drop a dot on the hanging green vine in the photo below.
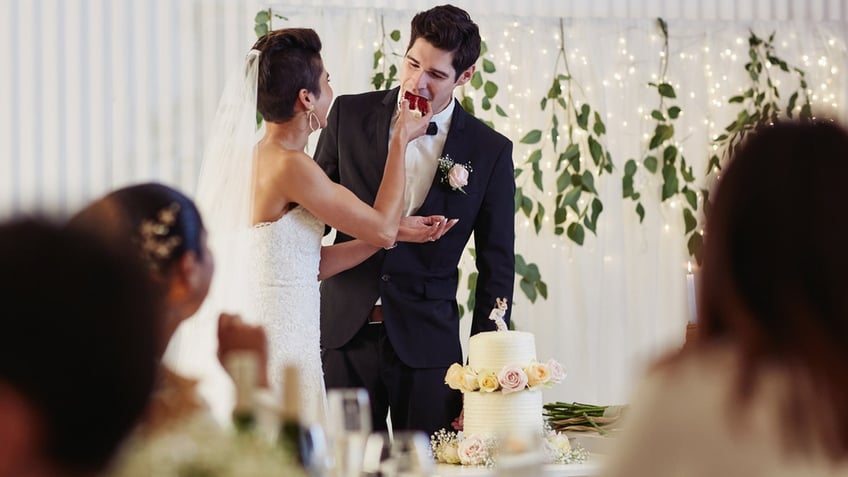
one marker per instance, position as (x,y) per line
(575,181)
(760,107)
(385,72)
(675,170)
(480,81)
(263,22)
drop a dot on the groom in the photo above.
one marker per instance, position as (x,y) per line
(391,324)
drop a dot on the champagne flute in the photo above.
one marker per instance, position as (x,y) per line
(348,425)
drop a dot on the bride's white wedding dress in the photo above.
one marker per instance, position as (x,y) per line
(284,259)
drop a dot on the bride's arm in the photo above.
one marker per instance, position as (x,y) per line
(342,256)
(335,205)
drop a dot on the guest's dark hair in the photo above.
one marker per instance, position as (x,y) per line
(450,29)
(160,221)
(80,326)
(775,262)
(290,60)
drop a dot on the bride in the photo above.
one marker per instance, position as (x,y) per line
(266,216)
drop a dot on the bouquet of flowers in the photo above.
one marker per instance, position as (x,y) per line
(451,447)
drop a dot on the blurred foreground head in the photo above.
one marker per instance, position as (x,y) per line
(80,329)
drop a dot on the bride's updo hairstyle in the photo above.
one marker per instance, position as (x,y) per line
(290,60)
(161,223)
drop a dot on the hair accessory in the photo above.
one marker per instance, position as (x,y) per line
(156,246)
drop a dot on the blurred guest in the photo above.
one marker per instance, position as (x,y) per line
(764,390)
(163,228)
(77,348)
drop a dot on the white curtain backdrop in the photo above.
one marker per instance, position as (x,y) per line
(96,94)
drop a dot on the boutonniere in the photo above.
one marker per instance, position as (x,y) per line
(454,173)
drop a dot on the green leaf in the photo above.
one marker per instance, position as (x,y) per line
(377,55)
(597,208)
(669,155)
(532,137)
(395,35)
(650,164)
(486,104)
(543,103)
(571,198)
(261,30)
(262,16)
(520,264)
(666,90)
(491,89)
(472,286)
(468,104)
(517,172)
(572,151)
(554,130)
(630,167)
(689,219)
(576,233)
(673,112)
(526,206)
(519,194)
(736,99)
(488,66)
(657,115)
(555,91)
(500,111)
(558,230)
(537,176)
(532,274)
(583,117)
(600,129)
(560,215)
(528,290)
(663,26)
(563,181)
(670,184)
(596,150)
(691,198)
(378,80)
(627,186)
(483,48)
(543,288)
(695,245)
(477,80)
(640,211)
(535,156)
(539,217)
(588,181)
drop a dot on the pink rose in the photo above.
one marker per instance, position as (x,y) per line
(512,379)
(557,371)
(458,176)
(472,450)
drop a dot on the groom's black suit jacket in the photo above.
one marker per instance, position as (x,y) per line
(418,282)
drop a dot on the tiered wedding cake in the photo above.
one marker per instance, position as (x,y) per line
(498,412)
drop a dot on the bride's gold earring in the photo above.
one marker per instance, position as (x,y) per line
(310,115)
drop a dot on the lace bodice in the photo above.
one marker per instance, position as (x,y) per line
(284,259)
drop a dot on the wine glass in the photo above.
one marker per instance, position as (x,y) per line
(348,427)
(410,454)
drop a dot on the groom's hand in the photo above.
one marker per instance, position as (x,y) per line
(418,229)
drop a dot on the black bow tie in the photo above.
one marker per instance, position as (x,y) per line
(432,129)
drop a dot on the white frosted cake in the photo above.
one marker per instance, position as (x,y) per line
(498,412)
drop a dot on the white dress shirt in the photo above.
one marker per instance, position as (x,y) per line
(422,160)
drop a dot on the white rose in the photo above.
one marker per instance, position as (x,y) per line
(453,377)
(488,381)
(468,381)
(458,176)
(449,453)
(557,371)
(472,450)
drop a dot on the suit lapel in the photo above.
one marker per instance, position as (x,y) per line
(381,121)
(454,147)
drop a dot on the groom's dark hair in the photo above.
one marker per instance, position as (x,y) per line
(450,29)
(290,61)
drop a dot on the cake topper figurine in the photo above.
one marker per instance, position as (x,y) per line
(498,313)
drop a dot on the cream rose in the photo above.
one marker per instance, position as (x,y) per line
(458,176)
(453,377)
(488,381)
(512,379)
(557,371)
(537,374)
(472,450)
(468,380)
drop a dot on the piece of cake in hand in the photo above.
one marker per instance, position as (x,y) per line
(418,104)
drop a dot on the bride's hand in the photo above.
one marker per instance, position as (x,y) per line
(411,124)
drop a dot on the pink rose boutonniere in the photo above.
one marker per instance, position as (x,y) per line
(454,173)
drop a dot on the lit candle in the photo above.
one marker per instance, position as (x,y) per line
(690,288)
